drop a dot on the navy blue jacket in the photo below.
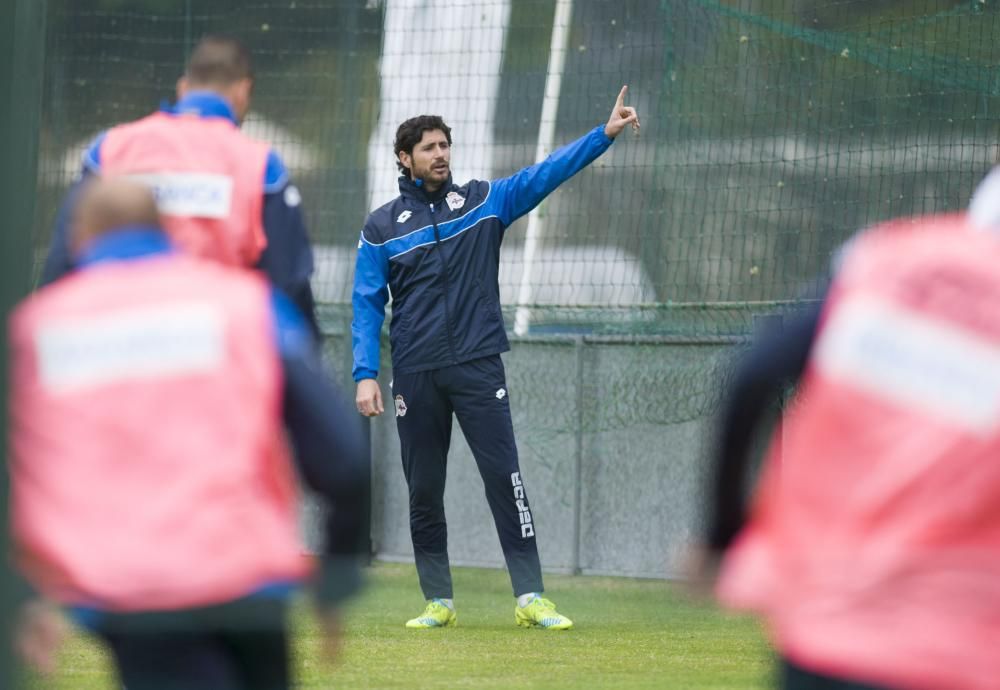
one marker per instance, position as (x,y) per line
(439,256)
(287,259)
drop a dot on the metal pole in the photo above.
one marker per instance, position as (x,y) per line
(188,32)
(546,139)
(22,50)
(578,347)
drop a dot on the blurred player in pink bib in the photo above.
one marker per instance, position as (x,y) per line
(153,492)
(221,194)
(873,548)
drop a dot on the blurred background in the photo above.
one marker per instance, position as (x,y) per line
(772,130)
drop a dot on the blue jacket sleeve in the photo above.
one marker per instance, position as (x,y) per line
(525,189)
(371,292)
(59,260)
(765,371)
(288,258)
(330,451)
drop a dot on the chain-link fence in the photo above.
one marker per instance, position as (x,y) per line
(771,131)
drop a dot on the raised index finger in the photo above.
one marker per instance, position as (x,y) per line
(621,97)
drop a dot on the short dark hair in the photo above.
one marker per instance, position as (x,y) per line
(412,131)
(218,60)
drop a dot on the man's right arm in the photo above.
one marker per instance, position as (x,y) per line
(371,292)
(59,260)
(764,373)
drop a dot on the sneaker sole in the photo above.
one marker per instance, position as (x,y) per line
(450,624)
(531,624)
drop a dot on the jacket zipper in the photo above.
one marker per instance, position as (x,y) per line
(447,286)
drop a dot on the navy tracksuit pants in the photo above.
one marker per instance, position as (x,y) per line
(236,645)
(475,392)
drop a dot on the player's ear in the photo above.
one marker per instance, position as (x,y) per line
(239,96)
(406,160)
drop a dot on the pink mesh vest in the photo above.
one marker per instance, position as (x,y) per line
(149,469)
(208,179)
(874,549)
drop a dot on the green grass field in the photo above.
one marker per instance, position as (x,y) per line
(629,634)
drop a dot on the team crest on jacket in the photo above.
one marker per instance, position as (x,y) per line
(455,201)
(400,406)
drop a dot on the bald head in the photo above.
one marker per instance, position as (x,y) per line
(107,205)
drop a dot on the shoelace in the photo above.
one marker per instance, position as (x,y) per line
(547,604)
(548,608)
(434,606)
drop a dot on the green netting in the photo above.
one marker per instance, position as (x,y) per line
(772,129)
(796,123)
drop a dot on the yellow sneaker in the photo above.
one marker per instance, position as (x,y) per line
(541,613)
(436,615)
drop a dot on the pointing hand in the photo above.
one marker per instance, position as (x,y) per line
(621,115)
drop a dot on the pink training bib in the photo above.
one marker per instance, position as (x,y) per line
(874,549)
(208,179)
(149,469)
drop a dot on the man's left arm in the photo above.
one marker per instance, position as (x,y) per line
(518,194)
(287,260)
(330,447)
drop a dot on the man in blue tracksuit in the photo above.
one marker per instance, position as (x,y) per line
(436,248)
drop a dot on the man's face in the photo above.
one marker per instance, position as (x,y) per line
(430,160)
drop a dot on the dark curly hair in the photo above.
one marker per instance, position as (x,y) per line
(412,131)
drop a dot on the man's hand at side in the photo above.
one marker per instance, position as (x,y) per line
(621,115)
(369,398)
(40,631)
(700,570)
(331,634)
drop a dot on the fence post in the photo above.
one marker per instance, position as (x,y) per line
(764,325)
(22,50)
(578,347)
